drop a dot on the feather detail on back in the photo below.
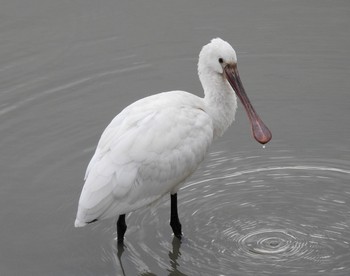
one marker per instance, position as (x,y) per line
(146,151)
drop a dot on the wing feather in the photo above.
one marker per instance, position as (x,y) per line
(145,152)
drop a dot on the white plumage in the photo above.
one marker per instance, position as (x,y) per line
(154,144)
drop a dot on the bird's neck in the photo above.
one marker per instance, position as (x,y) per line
(220,101)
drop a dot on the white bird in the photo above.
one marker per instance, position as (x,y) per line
(152,146)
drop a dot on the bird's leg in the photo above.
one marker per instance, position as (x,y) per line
(174,218)
(121,228)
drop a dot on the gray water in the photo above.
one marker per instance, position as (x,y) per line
(68,67)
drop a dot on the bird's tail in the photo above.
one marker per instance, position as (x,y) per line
(79,223)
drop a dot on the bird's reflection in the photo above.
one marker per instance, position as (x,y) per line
(174,254)
(120,251)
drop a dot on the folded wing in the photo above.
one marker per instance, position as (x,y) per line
(150,148)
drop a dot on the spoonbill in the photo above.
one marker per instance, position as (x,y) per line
(151,147)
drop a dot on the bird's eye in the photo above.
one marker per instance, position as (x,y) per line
(221,60)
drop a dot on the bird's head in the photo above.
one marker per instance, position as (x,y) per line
(219,58)
(216,55)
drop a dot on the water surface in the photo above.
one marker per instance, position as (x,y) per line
(68,67)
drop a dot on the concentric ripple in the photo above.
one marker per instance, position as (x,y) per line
(271,242)
(252,215)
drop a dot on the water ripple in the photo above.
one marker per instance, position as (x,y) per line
(246,214)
